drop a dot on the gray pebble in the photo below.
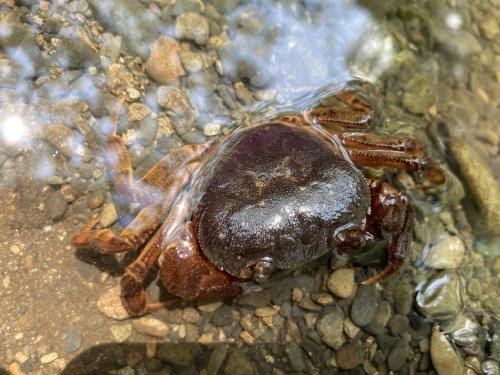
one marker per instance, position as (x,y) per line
(223,316)
(295,357)
(330,326)
(365,305)
(182,355)
(56,206)
(398,324)
(72,341)
(216,359)
(397,356)
(441,296)
(238,363)
(403,297)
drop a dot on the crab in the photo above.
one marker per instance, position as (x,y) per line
(268,197)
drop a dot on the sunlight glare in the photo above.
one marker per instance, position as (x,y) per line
(13,130)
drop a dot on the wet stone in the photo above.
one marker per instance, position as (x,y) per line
(398,324)
(238,363)
(295,357)
(108,215)
(151,326)
(191,61)
(75,49)
(365,305)
(110,304)
(398,354)
(341,282)
(418,94)
(441,296)
(95,199)
(56,206)
(193,27)
(464,330)
(172,99)
(490,367)
(403,297)
(121,332)
(164,63)
(216,359)
(349,355)
(182,355)
(446,253)
(72,341)
(444,358)
(329,325)
(223,316)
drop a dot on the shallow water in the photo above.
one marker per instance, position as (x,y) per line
(429,70)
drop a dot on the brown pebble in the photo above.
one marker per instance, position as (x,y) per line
(164,63)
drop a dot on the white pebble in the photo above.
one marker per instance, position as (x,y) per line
(446,253)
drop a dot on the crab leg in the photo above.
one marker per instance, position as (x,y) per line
(357,113)
(138,231)
(391,216)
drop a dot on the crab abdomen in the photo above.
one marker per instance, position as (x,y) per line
(275,192)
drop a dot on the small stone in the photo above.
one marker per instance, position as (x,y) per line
(223,316)
(481,181)
(164,63)
(247,337)
(323,299)
(238,363)
(403,297)
(365,305)
(489,28)
(341,282)
(138,111)
(134,358)
(446,253)
(172,99)
(265,311)
(48,358)
(193,27)
(151,326)
(108,215)
(349,355)
(209,307)
(67,193)
(216,359)
(75,49)
(121,332)
(16,248)
(418,94)
(110,304)
(398,324)
(56,206)
(211,129)
(15,369)
(397,356)
(441,296)
(95,199)
(191,61)
(297,294)
(330,326)
(490,367)
(495,267)
(350,328)
(191,315)
(72,341)
(444,358)
(56,180)
(181,354)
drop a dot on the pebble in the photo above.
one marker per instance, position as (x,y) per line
(121,332)
(295,357)
(191,315)
(403,297)
(138,111)
(397,356)
(134,358)
(490,367)
(447,253)
(75,49)
(164,63)
(441,296)
(247,337)
(151,326)
(398,324)
(211,129)
(481,181)
(489,28)
(95,199)
(108,215)
(238,363)
(266,311)
(61,138)
(444,358)
(223,316)
(181,354)
(110,304)
(56,206)
(193,27)
(418,94)
(464,330)
(48,358)
(341,282)
(67,193)
(191,61)
(172,99)
(216,359)
(330,326)
(350,328)
(72,341)
(349,355)
(365,305)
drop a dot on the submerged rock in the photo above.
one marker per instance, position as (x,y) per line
(446,253)
(444,358)
(441,296)
(164,63)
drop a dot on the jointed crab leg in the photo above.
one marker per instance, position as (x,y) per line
(357,114)
(391,215)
